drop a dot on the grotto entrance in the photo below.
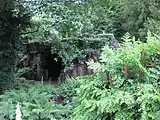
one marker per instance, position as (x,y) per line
(52,67)
(38,63)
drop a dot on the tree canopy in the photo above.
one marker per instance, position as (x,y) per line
(13,18)
(125,84)
(72,26)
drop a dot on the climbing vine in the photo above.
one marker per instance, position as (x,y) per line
(13,19)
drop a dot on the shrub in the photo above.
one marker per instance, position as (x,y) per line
(126,85)
(14,18)
(35,101)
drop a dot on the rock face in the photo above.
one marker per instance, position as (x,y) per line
(42,63)
(34,60)
(82,69)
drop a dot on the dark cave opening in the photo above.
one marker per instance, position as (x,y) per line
(53,67)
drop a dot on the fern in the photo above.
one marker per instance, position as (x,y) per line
(126,86)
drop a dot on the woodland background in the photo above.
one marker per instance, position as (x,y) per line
(126,83)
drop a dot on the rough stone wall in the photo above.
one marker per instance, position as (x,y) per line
(32,60)
(35,59)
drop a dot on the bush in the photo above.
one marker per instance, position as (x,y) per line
(14,18)
(126,85)
(36,104)
(34,101)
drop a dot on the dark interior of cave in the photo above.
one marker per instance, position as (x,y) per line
(53,67)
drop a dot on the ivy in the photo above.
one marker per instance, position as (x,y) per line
(14,18)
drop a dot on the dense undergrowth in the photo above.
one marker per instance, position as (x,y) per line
(126,87)
(36,103)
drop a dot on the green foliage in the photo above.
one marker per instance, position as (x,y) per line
(35,101)
(71,30)
(13,19)
(68,89)
(65,26)
(126,85)
(24,72)
(135,14)
(153,22)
